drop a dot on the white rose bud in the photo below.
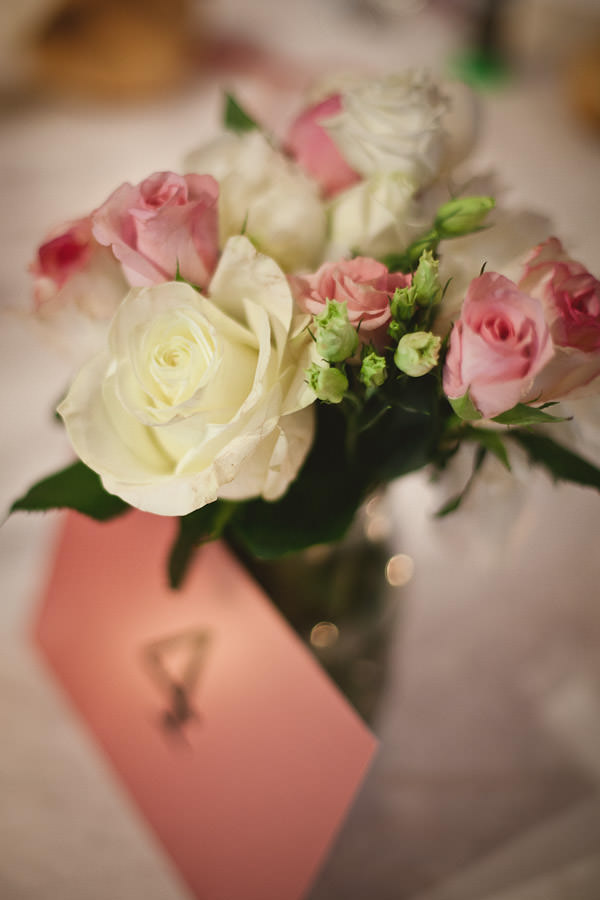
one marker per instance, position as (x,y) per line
(265,196)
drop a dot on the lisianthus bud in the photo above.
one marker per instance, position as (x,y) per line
(403,303)
(462,215)
(328,383)
(337,339)
(425,280)
(372,371)
(417,353)
(396,330)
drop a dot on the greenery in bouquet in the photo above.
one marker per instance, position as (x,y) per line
(277,333)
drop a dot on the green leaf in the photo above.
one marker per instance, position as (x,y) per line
(527,415)
(197,528)
(403,438)
(344,465)
(489,439)
(235,118)
(560,462)
(453,504)
(76,487)
(319,504)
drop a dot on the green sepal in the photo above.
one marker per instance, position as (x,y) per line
(197,528)
(235,118)
(561,463)
(465,408)
(527,415)
(76,487)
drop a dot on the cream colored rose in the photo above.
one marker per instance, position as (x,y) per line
(198,398)
(375,217)
(393,124)
(265,196)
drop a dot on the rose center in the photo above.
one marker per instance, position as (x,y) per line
(183,354)
(156,192)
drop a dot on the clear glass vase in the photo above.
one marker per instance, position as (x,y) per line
(340,599)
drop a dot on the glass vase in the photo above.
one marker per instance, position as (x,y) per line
(341,600)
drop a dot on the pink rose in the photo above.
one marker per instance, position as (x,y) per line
(365,285)
(570,296)
(569,293)
(64,254)
(497,347)
(73,269)
(315,152)
(165,222)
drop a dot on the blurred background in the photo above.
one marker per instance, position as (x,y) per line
(487,783)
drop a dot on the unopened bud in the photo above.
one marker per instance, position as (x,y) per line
(403,302)
(372,371)
(396,330)
(462,215)
(417,353)
(425,280)
(337,339)
(328,383)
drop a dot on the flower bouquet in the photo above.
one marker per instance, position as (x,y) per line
(279,331)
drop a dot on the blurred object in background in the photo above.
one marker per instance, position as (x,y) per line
(389,8)
(18,24)
(549,33)
(114,48)
(583,82)
(560,36)
(104,49)
(482,63)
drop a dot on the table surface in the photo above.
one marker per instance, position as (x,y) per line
(487,784)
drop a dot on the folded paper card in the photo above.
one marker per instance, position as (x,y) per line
(236,747)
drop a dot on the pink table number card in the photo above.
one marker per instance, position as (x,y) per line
(238,750)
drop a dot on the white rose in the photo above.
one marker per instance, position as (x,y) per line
(393,124)
(198,398)
(375,217)
(265,196)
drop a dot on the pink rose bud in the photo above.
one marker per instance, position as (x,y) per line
(569,293)
(72,269)
(497,347)
(364,284)
(165,224)
(570,296)
(315,151)
(60,257)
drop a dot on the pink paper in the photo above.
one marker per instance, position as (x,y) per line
(236,747)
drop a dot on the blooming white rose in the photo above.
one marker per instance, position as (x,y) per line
(266,196)
(197,398)
(392,124)
(374,217)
